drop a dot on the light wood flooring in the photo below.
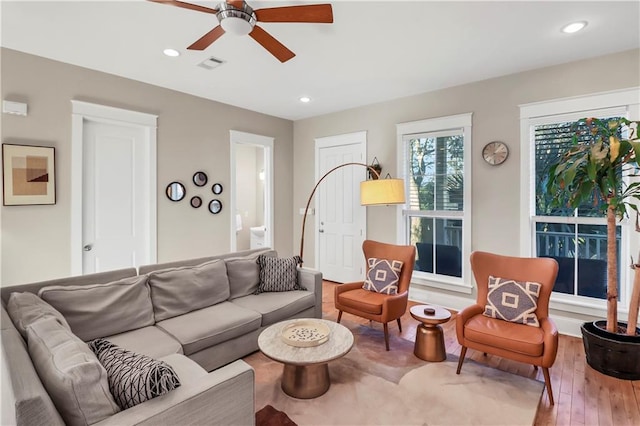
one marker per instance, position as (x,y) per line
(582,395)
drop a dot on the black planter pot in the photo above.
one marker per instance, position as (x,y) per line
(616,355)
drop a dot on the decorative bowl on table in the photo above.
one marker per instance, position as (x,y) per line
(305,333)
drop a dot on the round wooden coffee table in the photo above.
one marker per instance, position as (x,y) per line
(306,372)
(429,344)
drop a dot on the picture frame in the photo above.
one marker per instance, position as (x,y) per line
(29,176)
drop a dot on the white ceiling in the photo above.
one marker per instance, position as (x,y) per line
(374,50)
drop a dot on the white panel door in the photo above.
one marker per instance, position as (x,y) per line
(341,218)
(116,204)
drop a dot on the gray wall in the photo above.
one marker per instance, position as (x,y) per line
(193,134)
(494,104)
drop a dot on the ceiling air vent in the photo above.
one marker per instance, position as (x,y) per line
(211,63)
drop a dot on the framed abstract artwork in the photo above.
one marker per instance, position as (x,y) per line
(29,175)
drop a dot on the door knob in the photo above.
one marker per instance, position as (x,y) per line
(88,247)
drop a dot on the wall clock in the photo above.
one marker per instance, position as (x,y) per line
(495,153)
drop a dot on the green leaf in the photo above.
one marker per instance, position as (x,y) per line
(592,170)
(636,150)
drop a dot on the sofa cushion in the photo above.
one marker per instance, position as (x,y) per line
(188,370)
(150,341)
(100,310)
(209,326)
(278,273)
(178,291)
(134,378)
(276,307)
(27,308)
(74,378)
(244,274)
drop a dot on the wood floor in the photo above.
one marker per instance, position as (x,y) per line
(582,395)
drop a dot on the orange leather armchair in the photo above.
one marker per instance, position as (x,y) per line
(532,345)
(354,299)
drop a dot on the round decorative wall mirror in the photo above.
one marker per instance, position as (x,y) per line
(196,202)
(215,206)
(217,188)
(175,191)
(200,178)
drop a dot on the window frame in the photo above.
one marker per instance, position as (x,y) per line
(460,122)
(624,103)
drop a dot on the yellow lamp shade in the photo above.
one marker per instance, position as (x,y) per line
(382,191)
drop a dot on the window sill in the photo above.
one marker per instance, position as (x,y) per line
(458,286)
(583,306)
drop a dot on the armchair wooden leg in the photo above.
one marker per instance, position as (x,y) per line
(547,383)
(463,352)
(399,325)
(339,316)
(386,335)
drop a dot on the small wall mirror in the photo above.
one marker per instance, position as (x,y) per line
(196,202)
(200,178)
(175,191)
(217,188)
(215,206)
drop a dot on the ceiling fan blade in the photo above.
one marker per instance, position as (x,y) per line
(206,40)
(322,13)
(186,5)
(274,47)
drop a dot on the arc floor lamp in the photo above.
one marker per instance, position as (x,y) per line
(373,192)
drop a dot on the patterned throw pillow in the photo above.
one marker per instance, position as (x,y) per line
(133,378)
(278,274)
(383,275)
(513,301)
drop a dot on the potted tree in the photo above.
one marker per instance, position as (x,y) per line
(601,167)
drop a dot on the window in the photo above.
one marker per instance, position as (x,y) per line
(436,218)
(576,238)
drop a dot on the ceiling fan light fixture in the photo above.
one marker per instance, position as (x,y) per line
(236,26)
(236,21)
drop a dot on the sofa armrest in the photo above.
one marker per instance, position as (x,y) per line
(224,396)
(311,279)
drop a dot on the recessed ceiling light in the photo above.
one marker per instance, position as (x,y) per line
(574,27)
(171,52)
(305,99)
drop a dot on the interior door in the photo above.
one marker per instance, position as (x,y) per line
(116,199)
(341,221)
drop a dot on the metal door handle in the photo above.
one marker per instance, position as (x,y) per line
(88,247)
(321,230)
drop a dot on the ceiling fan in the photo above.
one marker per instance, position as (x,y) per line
(237,17)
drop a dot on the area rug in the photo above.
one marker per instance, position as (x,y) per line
(269,416)
(370,386)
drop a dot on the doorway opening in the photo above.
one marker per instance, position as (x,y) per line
(251,191)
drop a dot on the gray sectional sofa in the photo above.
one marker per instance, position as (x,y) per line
(199,315)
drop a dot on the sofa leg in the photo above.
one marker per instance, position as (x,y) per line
(463,352)
(399,325)
(547,383)
(386,335)
(339,316)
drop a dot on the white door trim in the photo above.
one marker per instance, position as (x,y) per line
(85,111)
(242,138)
(355,138)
